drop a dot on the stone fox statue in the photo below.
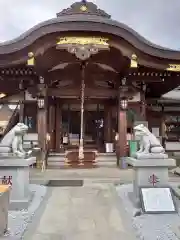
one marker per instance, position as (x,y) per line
(12,141)
(148,142)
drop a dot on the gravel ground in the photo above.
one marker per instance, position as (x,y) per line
(18,220)
(149,226)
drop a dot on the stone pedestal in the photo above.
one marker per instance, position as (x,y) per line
(149,173)
(15,172)
(4,207)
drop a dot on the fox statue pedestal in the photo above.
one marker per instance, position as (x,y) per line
(150,163)
(14,166)
(149,173)
(15,172)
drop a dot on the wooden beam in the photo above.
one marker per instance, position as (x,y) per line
(63,92)
(90,101)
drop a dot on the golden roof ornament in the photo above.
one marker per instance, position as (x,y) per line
(83,7)
(134,63)
(173,68)
(31,59)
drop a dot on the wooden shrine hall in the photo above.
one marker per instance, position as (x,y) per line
(82,79)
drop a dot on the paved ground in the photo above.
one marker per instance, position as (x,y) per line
(96,173)
(90,212)
(107,174)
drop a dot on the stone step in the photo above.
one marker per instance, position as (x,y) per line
(103,159)
(56,154)
(107,154)
(55,164)
(56,159)
(106,157)
(112,160)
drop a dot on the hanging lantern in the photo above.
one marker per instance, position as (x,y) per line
(41,102)
(124,103)
(134,63)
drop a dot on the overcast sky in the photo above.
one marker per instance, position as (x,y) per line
(156,20)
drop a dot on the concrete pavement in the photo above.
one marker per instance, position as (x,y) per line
(90,212)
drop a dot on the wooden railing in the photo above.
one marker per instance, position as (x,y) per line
(13,120)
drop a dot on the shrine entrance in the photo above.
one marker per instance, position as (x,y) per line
(82,72)
(93,126)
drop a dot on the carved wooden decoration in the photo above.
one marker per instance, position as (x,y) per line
(83,47)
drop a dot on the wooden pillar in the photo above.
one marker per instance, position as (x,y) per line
(58,125)
(163,128)
(52,125)
(42,119)
(121,149)
(98,134)
(108,124)
(42,130)
(42,127)
(122,132)
(143,106)
(21,112)
(21,109)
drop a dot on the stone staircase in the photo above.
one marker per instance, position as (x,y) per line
(106,159)
(56,160)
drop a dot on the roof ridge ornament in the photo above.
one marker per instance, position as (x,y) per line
(83,7)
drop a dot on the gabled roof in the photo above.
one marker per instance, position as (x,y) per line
(86,17)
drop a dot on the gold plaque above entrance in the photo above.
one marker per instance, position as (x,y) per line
(83,47)
(84,41)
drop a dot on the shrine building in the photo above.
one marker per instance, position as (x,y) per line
(81,80)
